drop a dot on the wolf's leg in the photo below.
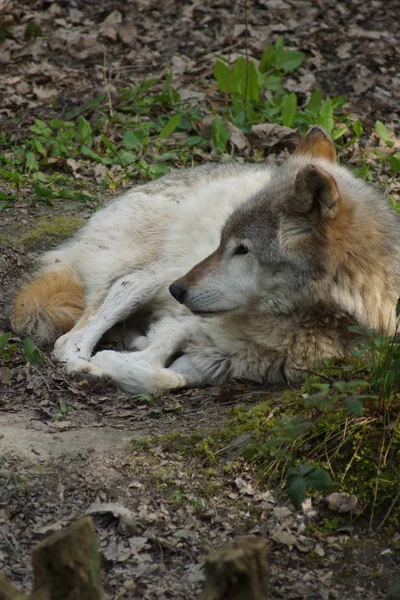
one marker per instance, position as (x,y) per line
(137,376)
(145,371)
(125,296)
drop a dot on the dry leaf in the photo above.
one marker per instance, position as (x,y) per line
(267,135)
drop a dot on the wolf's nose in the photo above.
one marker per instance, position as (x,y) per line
(178,291)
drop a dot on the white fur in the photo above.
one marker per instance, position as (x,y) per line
(128,254)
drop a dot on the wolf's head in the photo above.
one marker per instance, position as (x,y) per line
(314,234)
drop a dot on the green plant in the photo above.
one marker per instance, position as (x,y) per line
(7,349)
(63,411)
(245,85)
(32,354)
(394,590)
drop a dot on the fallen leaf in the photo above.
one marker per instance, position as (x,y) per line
(342,502)
(44,93)
(267,135)
(122,513)
(6,375)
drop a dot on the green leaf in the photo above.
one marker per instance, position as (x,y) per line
(244,80)
(32,354)
(266,59)
(297,491)
(324,387)
(4,337)
(354,407)
(70,194)
(109,145)
(130,140)
(394,589)
(219,134)
(40,148)
(90,105)
(194,139)
(319,480)
(84,131)
(291,59)
(64,407)
(42,191)
(326,118)
(32,30)
(395,164)
(253,86)
(278,54)
(306,469)
(358,128)
(222,75)
(31,162)
(383,133)
(171,125)
(60,124)
(289,110)
(127,157)
(314,103)
(339,132)
(89,153)
(147,398)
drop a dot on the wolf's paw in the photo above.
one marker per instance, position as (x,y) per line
(70,349)
(87,373)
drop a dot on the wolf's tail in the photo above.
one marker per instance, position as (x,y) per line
(49,305)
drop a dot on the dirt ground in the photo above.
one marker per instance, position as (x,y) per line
(66,450)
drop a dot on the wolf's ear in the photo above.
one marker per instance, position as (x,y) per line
(314,201)
(315,193)
(317,143)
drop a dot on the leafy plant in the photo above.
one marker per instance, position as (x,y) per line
(394,590)
(63,411)
(306,477)
(6,349)
(245,85)
(32,354)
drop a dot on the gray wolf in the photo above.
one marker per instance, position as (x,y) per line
(279,262)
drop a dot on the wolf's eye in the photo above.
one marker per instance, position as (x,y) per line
(241,249)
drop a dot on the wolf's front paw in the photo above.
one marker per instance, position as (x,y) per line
(69,347)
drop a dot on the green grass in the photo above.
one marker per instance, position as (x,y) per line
(148,129)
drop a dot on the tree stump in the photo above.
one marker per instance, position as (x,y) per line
(238,571)
(66,565)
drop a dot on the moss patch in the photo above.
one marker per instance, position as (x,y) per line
(359,452)
(43,231)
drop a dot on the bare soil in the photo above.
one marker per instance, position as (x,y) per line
(111,449)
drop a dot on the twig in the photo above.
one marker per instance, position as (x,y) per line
(391,507)
(377,481)
(107,87)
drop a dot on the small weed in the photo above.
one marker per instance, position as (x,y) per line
(7,349)
(146,398)
(394,591)
(63,411)
(177,497)
(32,354)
